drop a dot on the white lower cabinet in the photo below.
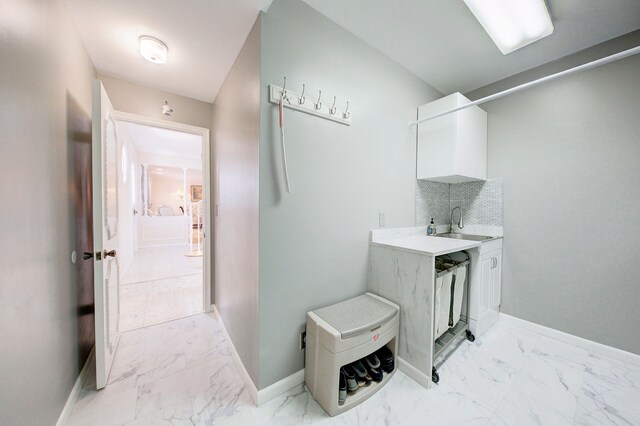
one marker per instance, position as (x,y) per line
(486,287)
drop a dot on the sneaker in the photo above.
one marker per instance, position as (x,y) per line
(350,375)
(361,373)
(342,392)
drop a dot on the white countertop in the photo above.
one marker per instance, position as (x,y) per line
(417,240)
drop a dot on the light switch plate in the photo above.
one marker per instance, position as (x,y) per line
(381,220)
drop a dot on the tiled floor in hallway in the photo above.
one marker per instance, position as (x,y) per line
(182,373)
(162,284)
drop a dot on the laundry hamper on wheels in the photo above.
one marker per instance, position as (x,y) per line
(340,334)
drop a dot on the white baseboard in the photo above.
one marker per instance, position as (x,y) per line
(253,391)
(589,345)
(75,390)
(280,387)
(418,376)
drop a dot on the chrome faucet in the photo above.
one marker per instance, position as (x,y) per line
(460,223)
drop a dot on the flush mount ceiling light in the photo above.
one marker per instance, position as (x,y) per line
(153,50)
(512,24)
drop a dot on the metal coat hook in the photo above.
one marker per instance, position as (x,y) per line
(284,91)
(317,105)
(301,99)
(332,110)
(346,114)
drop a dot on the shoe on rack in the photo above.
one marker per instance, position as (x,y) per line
(372,361)
(361,373)
(350,376)
(386,359)
(342,390)
(375,373)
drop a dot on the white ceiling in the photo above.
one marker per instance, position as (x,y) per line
(164,141)
(441,42)
(203,36)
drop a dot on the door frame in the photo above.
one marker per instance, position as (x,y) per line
(204,133)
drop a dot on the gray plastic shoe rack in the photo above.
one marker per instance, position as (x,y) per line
(341,334)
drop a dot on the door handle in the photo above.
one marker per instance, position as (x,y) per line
(88,255)
(135,212)
(111,253)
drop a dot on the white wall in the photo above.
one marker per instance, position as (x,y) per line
(236,138)
(45,72)
(569,153)
(164,190)
(314,241)
(146,101)
(153,159)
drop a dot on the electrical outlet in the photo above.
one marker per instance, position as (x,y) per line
(381,220)
(302,341)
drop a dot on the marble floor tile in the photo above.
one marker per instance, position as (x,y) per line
(162,284)
(518,408)
(176,414)
(182,372)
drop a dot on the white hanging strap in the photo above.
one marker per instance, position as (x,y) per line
(284,149)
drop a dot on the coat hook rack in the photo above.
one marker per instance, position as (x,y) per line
(317,108)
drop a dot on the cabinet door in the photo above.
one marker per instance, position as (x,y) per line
(496,280)
(486,264)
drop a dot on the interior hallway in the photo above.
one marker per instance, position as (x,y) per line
(162,284)
(182,373)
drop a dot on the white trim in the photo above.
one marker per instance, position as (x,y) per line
(253,391)
(595,347)
(75,390)
(418,376)
(278,388)
(206,177)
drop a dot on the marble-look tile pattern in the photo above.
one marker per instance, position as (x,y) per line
(509,376)
(161,284)
(481,202)
(156,263)
(407,279)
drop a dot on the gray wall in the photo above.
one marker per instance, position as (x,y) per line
(147,101)
(314,241)
(569,154)
(44,69)
(236,138)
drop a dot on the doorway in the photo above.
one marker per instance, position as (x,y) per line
(163,199)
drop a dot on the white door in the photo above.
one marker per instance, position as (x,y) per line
(105,231)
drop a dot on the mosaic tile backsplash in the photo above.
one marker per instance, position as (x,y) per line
(481,202)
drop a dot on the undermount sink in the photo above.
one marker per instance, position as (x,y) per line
(464,237)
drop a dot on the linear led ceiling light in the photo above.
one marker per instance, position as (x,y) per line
(512,24)
(153,50)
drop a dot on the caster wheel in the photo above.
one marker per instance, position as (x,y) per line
(435,378)
(470,336)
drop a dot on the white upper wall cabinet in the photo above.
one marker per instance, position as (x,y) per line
(452,148)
